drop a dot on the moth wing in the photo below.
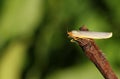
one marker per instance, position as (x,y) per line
(93,35)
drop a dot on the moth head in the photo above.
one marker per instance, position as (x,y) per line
(71,35)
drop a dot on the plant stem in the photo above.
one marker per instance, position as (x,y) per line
(93,52)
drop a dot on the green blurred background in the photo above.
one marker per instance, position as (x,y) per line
(34,42)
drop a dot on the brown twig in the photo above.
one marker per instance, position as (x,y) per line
(93,52)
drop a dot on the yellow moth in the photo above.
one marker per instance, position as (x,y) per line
(88,34)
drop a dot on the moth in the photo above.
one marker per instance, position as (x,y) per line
(89,34)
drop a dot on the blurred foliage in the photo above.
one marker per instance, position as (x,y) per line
(34,42)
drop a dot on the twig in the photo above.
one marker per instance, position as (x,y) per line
(93,52)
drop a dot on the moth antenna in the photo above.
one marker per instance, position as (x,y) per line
(67,31)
